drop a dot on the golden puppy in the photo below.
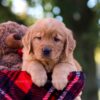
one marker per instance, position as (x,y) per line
(48,47)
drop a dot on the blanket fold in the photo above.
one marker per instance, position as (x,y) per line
(17,85)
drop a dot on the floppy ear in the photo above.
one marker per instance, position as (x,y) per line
(69,46)
(70,43)
(27,42)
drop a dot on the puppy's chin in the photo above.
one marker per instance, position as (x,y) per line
(44,59)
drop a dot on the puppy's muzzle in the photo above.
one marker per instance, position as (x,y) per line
(46,51)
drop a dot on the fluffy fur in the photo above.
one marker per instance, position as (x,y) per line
(54,35)
(10,40)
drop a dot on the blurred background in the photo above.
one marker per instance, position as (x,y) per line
(82,16)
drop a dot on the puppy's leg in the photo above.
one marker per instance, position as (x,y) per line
(60,74)
(37,72)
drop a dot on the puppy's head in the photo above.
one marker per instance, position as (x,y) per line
(49,39)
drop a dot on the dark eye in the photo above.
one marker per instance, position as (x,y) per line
(39,38)
(56,39)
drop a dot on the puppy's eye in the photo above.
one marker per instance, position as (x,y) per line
(56,39)
(39,38)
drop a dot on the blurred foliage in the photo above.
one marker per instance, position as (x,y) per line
(97,10)
(31,3)
(5,14)
(78,17)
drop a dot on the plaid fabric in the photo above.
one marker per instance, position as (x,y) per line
(17,85)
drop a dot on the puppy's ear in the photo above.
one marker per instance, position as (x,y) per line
(69,46)
(70,43)
(27,42)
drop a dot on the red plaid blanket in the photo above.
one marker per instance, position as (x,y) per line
(17,85)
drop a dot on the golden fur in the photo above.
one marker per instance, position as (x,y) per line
(52,34)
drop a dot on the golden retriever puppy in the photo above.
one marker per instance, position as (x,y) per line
(48,47)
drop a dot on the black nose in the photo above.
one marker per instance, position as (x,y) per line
(46,51)
(17,37)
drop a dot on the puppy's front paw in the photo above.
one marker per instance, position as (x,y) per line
(59,81)
(39,78)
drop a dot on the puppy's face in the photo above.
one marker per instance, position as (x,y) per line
(48,40)
(47,45)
